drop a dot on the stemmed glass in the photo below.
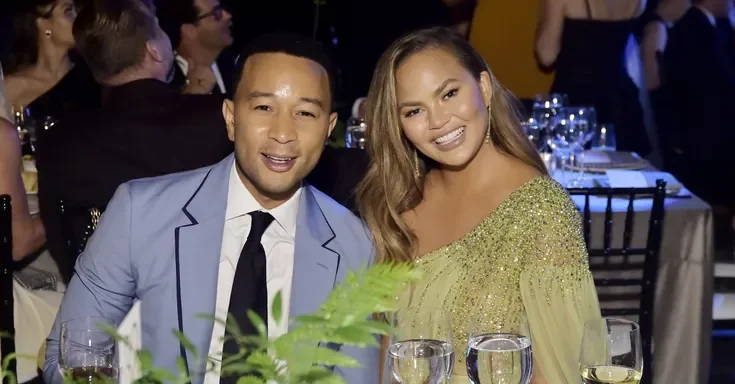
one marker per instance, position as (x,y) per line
(611,352)
(88,350)
(584,120)
(533,131)
(421,347)
(604,138)
(499,354)
(545,107)
(563,140)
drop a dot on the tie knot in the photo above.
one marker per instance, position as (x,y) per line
(261,221)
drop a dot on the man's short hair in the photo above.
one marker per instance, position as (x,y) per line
(290,44)
(172,14)
(112,35)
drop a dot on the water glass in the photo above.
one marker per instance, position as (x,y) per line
(499,354)
(604,138)
(563,142)
(88,350)
(355,133)
(535,135)
(545,107)
(611,352)
(421,347)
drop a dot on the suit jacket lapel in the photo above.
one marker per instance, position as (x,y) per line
(315,262)
(198,249)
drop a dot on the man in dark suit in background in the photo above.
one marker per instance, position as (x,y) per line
(144,128)
(700,73)
(199,31)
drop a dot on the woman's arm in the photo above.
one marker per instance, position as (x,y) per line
(28,232)
(653,42)
(548,31)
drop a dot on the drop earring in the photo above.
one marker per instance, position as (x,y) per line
(47,33)
(416,169)
(489,124)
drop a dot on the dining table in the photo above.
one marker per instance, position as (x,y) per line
(685,285)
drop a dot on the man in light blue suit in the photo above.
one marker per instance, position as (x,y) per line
(186,244)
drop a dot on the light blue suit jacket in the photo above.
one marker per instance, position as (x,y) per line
(159,241)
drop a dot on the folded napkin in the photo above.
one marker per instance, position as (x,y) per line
(639,179)
(130,329)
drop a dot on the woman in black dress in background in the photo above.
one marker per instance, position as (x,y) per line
(39,73)
(585,42)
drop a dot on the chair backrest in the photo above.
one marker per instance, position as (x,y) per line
(626,259)
(7,323)
(77,234)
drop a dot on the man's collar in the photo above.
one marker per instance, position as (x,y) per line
(240,202)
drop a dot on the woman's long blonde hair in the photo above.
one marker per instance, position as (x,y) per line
(391,185)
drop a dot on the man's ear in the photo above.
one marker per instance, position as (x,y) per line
(154,51)
(228,112)
(332,123)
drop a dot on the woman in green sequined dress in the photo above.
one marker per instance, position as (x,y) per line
(455,188)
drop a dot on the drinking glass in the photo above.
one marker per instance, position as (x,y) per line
(421,347)
(611,352)
(499,354)
(563,140)
(533,131)
(88,351)
(604,138)
(545,107)
(355,133)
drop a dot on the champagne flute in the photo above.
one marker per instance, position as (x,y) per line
(611,352)
(499,354)
(421,350)
(88,351)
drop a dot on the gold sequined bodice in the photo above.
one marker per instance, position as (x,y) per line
(535,230)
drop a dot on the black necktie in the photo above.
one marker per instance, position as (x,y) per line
(249,290)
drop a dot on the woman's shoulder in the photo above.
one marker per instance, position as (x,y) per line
(543,193)
(542,206)
(17,88)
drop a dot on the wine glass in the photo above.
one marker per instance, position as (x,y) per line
(421,347)
(563,140)
(611,352)
(545,107)
(604,138)
(533,131)
(499,354)
(88,351)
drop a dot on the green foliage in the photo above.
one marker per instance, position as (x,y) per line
(300,355)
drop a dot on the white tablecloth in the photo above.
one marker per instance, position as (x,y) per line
(34,311)
(34,314)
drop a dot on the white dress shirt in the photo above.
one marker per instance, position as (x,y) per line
(278,243)
(184,66)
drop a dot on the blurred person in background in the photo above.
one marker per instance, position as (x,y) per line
(585,42)
(143,127)
(40,73)
(28,232)
(199,31)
